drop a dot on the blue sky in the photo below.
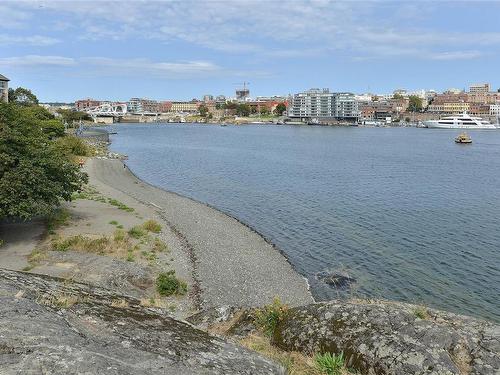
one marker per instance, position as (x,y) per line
(66,50)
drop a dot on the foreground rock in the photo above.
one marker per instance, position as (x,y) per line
(57,327)
(393,338)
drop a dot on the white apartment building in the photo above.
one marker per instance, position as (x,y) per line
(321,103)
(495,110)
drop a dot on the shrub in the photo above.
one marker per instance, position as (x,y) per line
(168,284)
(152,226)
(113,222)
(71,145)
(330,364)
(269,316)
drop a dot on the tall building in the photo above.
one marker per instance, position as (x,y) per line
(321,103)
(208,98)
(479,88)
(4,89)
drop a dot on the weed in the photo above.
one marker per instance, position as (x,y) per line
(120,205)
(168,284)
(29,267)
(330,364)
(152,226)
(119,226)
(130,257)
(81,243)
(421,312)
(268,317)
(159,246)
(1,243)
(119,235)
(113,222)
(57,218)
(136,232)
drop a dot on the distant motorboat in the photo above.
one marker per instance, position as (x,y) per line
(463,138)
(463,121)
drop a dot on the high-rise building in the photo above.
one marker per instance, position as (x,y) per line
(321,103)
(4,89)
(479,88)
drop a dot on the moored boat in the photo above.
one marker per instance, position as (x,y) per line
(463,121)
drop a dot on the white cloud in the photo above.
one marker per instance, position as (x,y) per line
(456,55)
(33,40)
(36,60)
(271,28)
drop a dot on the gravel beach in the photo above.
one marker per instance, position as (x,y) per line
(233,265)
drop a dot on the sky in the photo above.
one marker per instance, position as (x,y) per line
(165,50)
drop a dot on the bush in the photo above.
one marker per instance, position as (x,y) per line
(330,364)
(168,284)
(268,317)
(71,145)
(152,226)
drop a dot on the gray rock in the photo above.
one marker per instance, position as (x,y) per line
(389,338)
(52,326)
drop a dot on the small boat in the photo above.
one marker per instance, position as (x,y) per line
(463,138)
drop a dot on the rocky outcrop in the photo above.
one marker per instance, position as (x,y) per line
(393,338)
(51,326)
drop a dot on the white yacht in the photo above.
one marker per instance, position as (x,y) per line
(463,121)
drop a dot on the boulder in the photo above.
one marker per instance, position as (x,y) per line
(52,326)
(380,337)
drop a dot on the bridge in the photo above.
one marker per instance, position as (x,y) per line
(108,110)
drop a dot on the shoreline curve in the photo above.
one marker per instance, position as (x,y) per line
(244,278)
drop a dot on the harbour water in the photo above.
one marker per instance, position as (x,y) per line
(406,214)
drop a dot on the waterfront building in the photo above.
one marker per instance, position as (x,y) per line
(4,89)
(494,110)
(480,88)
(142,105)
(321,103)
(187,107)
(84,104)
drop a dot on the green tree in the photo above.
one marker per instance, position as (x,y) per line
(415,104)
(264,111)
(34,174)
(22,97)
(280,108)
(243,110)
(69,116)
(52,128)
(398,96)
(203,110)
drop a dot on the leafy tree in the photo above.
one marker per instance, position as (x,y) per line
(280,108)
(243,110)
(69,116)
(52,128)
(398,96)
(22,97)
(203,110)
(415,104)
(264,111)
(34,174)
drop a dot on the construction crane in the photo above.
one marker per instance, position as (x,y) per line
(242,93)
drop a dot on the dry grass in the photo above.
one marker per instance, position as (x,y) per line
(295,363)
(152,226)
(63,301)
(121,303)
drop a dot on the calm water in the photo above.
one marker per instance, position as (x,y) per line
(406,212)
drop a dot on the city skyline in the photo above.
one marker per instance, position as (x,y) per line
(64,50)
